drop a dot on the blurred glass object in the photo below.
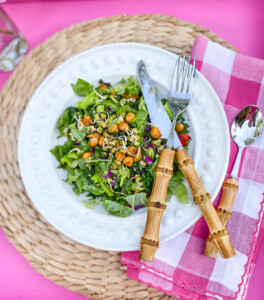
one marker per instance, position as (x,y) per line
(13,45)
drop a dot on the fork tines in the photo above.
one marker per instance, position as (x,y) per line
(182,77)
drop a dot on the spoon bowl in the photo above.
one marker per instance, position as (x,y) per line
(247,126)
(245,130)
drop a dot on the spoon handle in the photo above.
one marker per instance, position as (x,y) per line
(224,210)
(234,172)
(202,199)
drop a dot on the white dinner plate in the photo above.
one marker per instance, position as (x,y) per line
(44,182)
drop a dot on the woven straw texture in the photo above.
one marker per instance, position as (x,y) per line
(94,273)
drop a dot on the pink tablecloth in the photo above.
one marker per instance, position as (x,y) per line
(239,22)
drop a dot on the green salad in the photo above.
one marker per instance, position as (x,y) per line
(112,149)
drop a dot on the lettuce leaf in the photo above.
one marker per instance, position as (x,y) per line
(142,104)
(168,195)
(98,178)
(117,209)
(87,101)
(177,177)
(61,150)
(95,190)
(168,110)
(120,88)
(133,86)
(180,191)
(82,87)
(79,135)
(137,199)
(71,162)
(66,118)
(123,174)
(130,86)
(92,203)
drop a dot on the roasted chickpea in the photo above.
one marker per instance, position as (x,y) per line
(113,128)
(129,117)
(155,132)
(102,86)
(179,127)
(128,161)
(123,126)
(119,156)
(94,142)
(94,135)
(86,155)
(131,150)
(87,120)
(137,156)
(101,141)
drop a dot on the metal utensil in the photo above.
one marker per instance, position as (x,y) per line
(180,93)
(245,130)
(155,107)
(179,100)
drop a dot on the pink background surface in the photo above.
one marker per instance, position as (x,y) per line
(239,22)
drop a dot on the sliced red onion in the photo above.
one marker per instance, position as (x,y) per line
(189,137)
(101,158)
(109,174)
(145,138)
(148,128)
(77,144)
(108,108)
(93,151)
(113,182)
(149,146)
(138,207)
(148,159)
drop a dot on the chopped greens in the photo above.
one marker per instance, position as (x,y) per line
(111,152)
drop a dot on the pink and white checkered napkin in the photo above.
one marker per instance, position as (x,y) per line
(180,269)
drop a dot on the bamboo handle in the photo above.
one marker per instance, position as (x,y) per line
(217,230)
(224,210)
(156,205)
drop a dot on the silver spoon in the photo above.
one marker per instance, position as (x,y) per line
(245,130)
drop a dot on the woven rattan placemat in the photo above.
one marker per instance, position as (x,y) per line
(94,273)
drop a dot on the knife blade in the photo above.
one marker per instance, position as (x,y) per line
(157,112)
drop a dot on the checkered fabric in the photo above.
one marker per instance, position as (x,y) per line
(180,269)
